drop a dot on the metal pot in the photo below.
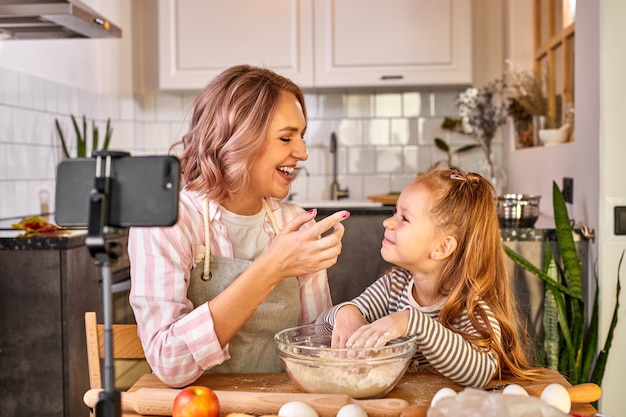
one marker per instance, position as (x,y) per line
(518,210)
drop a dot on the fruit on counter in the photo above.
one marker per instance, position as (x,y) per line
(196,401)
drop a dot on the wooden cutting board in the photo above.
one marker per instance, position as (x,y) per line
(385,199)
(415,388)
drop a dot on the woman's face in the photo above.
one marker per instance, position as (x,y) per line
(274,167)
(410,234)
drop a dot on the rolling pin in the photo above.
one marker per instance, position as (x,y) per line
(581,393)
(158,402)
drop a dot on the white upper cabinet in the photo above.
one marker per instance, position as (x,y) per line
(392,42)
(317,43)
(198,39)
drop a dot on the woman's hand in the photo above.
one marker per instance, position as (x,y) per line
(297,251)
(381,331)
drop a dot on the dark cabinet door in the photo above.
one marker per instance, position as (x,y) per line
(44,295)
(31,334)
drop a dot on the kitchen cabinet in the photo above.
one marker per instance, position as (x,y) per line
(317,43)
(46,286)
(397,42)
(198,39)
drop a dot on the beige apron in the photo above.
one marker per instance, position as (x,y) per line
(253,348)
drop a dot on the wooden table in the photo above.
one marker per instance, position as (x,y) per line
(415,388)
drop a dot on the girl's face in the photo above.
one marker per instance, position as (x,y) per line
(410,234)
(274,167)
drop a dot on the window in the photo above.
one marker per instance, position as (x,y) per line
(554,55)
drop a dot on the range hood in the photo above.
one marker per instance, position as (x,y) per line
(53,19)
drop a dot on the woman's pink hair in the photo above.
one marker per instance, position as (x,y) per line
(229,122)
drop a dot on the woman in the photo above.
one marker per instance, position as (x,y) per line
(240,264)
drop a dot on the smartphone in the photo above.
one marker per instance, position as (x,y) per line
(143,191)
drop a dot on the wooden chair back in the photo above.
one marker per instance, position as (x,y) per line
(126,345)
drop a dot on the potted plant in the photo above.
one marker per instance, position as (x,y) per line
(571,341)
(81,137)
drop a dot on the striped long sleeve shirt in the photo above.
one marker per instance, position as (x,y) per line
(179,340)
(437,347)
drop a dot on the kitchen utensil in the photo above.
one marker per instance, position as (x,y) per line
(315,367)
(554,136)
(158,402)
(581,393)
(518,210)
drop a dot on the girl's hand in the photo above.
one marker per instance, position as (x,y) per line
(297,251)
(381,331)
(347,320)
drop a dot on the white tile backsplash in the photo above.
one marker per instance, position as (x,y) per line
(384,137)
(412,104)
(349,132)
(389,159)
(388,105)
(401,132)
(362,160)
(376,132)
(331,106)
(359,106)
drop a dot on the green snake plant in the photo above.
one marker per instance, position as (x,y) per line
(81,137)
(571,340)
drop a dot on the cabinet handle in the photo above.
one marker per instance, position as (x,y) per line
(392,77)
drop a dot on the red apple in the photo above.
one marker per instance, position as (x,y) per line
(196,401)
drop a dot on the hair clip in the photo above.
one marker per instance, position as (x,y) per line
(457,176)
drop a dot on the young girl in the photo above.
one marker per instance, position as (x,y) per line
(449,285)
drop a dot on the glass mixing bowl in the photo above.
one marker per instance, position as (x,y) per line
(315,367)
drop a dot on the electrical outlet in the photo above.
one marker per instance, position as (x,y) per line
(568,190)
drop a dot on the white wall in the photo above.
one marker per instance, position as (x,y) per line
(609,18)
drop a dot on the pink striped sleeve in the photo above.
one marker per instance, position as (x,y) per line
(179,341)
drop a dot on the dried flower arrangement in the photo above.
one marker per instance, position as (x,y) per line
(526,89)
(527,98)
(481,112)
(518,94)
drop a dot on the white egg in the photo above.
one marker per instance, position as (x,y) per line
(514,389)
(557,396)
(442,393)
(351,410)
(297,409)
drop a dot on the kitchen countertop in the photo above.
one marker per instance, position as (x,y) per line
(415,388)
(71,238)
(67,238)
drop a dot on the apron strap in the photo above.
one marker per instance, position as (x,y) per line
(207,238)
(207,232)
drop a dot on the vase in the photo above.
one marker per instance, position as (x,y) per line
(539,123)
(497,176)
(524,133)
